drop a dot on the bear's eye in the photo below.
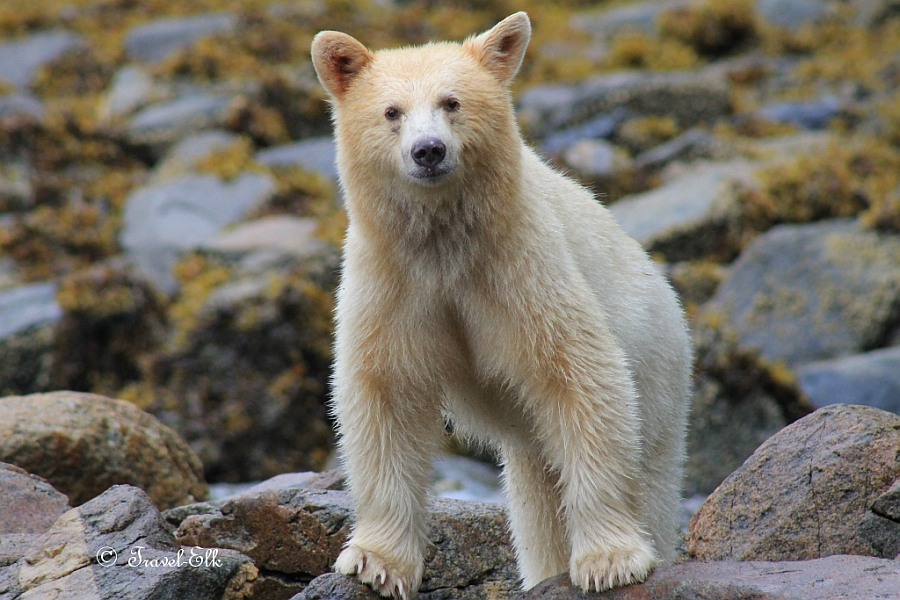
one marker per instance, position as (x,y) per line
(392,113)
(451,104)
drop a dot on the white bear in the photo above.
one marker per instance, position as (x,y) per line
(482,287)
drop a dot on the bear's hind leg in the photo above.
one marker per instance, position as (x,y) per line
(534,507)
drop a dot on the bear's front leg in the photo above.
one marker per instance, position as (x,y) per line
(576,386)
(388,434)
(591,429)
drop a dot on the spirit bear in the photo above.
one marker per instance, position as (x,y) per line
(481,287)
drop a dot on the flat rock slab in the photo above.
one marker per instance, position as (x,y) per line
(832,578)
(285,233)
(116,546)
(314,154)
(160,125)
(156,40)
(164,219)
(20,59)
(802,293)
(132,87)
(807,492)
(84,443)
(870,379)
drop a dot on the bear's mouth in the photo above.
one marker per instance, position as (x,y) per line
(431,174)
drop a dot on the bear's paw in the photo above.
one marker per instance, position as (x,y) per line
(601,571)
(382,575)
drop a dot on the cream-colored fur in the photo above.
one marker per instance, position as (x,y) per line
(492,291)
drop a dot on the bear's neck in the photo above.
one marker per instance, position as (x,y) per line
(451,227)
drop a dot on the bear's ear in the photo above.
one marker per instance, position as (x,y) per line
(501,49)
(338,58)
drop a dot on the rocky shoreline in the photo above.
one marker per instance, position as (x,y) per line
(813,513)
(170,233)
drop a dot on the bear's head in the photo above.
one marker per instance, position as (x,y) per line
(423,117)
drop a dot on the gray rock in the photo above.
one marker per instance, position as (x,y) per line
(162,220)
(161,125)
(26,359)
(793,14)
(21,105)
(606,23)
(116,546)
(84,443)
(803,293)
(689,97)
(597,161)
(815,114)
(181,158)
(832,578)
(156,40)
(888,504)
(725,428)
(28,306)
(132,88)
(299,533)
(872,13)
(692,145)
(20,59)
(686,217)
(279,233)
(334,586)
(252,365)
(869,379)
(463,478)
(30,507)
(806,492)
(314,154)
(601,126)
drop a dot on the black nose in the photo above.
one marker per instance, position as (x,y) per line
(428,152)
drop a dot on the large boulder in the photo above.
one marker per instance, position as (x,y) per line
(801,293)
(84,443)
(808,492)
(117,546)
(832,578)
(294,534)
